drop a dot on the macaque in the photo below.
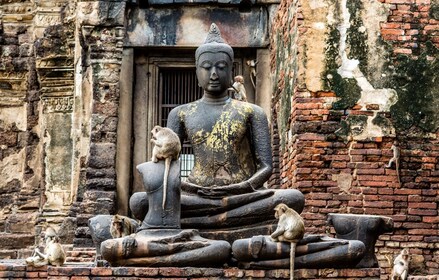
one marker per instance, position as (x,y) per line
(121,226)
(238,87)
(290,228)
(53,252)
(252,65)
(395,159)
(167,146)
(401,266)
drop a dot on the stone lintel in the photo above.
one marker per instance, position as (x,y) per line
(188,26)
(17,12)
(12,101)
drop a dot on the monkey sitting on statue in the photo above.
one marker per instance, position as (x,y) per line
(290,228)
(401,266)
(53,252)
(121,226)
(166,146)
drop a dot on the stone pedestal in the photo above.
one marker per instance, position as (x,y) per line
(366,228)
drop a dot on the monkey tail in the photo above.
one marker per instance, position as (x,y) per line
(165,179)
(252,79)
(292,254)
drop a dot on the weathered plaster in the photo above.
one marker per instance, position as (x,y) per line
(377,53)
(344,181)
(187,26)
(351,69)
(12,167)
(415,80)
(14,116)
(315,18)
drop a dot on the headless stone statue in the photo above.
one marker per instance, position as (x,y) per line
(160,241)
(159,216)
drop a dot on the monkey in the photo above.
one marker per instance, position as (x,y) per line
(290,228)
(395,159)
(252,65)
(121,226)
(53,252)
(167,146)
(238,87)
(401,266)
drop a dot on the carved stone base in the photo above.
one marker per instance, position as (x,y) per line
(165,247)
(313,251)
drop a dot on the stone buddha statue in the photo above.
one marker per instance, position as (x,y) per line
(232,149)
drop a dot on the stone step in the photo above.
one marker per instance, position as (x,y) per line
(81,255)
(15,254)
(16,240)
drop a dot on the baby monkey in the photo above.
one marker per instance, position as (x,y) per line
(290,228)
(167,146)
(53,252)
(401,266)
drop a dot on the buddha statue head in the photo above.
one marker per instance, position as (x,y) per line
(214,63)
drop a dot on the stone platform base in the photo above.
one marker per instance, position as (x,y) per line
(16,269)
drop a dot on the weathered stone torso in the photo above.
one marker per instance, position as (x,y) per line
(222,138)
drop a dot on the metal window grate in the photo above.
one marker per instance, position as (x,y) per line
(178,86)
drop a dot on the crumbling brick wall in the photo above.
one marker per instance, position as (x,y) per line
(336,143)
(59,92)
(20,167)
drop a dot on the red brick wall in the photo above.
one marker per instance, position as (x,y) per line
(410,25)
(20,271)
(311,156)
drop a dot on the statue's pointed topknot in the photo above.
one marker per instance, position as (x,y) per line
(214,35)
(214,43)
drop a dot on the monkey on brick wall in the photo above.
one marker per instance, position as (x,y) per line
(401,266)
(53,252)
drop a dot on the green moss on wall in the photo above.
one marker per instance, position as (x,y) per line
(286,64)
(434,11)
(417,84)
(356,36)
(347,89)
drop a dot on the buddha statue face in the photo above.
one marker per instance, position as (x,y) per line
(214,72)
